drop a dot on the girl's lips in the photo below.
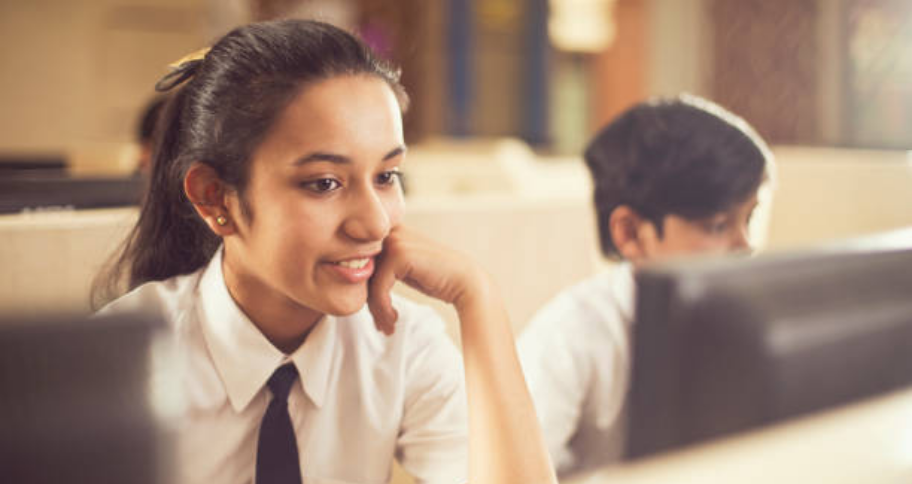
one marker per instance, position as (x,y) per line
(353,271)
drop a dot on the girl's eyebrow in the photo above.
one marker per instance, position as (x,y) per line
(322,156)
(399,150)
(342,159)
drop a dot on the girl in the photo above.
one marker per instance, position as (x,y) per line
(270,240)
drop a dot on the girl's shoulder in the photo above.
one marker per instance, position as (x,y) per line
(166,299)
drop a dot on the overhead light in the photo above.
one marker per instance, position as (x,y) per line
(582,25)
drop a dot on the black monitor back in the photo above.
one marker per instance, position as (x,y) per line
(76,402)
(726,346)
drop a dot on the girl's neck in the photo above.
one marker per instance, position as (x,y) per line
(284,322)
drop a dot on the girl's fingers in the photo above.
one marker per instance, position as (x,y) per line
(379,300)
(419,262)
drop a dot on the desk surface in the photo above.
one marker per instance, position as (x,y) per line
(868,442)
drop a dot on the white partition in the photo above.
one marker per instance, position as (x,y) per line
(529,222)
(49,259)
(825,194)
(532,247)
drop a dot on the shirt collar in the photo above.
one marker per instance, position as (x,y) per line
(243,357)
(624,289)
(314,359)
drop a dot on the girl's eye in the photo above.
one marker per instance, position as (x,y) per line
(388,177)
(322,185)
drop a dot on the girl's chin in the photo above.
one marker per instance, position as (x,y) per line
(334,300)
(346,307)
(342,312)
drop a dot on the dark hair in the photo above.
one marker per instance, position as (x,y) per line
(221,113)
(149,119)
(684,156)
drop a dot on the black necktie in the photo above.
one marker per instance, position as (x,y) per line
(277,449)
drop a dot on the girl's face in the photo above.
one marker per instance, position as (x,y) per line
(323,194)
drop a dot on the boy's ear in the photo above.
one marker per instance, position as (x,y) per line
(208,194)
(626,225)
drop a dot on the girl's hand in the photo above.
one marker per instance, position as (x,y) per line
(505,441)
(425,265)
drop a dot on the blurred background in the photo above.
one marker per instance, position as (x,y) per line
(810,72)
(505,94)
(549,72)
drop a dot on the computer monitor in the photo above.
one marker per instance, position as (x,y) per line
(729,345)
(32,166)
(78,400)
(36,193)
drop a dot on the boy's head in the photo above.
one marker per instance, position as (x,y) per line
(675,177)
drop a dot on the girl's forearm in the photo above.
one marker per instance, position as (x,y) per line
(506,445)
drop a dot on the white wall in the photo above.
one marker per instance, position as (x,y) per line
(77,72)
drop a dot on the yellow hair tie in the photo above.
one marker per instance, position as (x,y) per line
(181,70)
(195,55)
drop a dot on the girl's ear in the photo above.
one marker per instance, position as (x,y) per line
(208,194)
(626,226)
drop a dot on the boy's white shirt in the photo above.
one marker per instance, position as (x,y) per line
(575,354)
(362,397)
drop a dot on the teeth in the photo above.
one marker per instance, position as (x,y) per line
(354,263)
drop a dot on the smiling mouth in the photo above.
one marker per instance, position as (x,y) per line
(354,263)
(353,271)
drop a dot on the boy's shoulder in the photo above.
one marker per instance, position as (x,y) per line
(593,313)
(602,296)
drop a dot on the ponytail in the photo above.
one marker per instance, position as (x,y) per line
(169,238)
(180,241)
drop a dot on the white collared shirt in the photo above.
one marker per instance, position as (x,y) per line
(575,353)
(363,398)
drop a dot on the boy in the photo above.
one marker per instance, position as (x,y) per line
(672,178)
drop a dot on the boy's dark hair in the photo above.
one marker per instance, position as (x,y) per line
(225,102)
(684,156)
